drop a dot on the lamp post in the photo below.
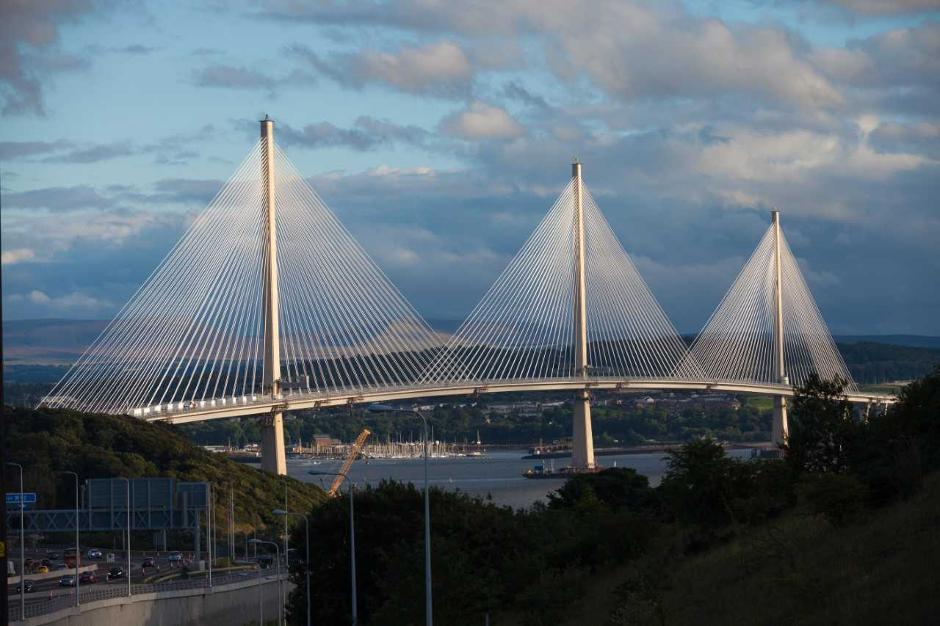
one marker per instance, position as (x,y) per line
(278,554)
(352,536)
(307,564)
(128,482)
(22,547)
(386,408)
(78,552)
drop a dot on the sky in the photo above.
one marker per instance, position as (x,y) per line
(441,132)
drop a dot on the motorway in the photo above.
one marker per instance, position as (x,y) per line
(49,588)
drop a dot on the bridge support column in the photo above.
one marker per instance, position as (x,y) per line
(780,420)
(779,428)
(273,456)
(582,453)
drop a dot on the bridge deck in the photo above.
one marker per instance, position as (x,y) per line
(182,413)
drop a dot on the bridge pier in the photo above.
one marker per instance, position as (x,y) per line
(582,449)
(273,456)
(779,429)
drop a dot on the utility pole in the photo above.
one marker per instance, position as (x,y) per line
(582,454)
(272,431)
(779,429)
(231,520)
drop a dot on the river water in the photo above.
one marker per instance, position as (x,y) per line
(497,475)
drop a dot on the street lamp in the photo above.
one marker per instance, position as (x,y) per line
(22,547)
(352,535)
(386,408)
(78,552)
(307,522)
(278,554)
(127,480)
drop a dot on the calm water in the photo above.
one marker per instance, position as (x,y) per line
(498,474)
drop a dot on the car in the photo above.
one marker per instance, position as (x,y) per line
(52,556)
(67,581)
(175,556)
(62,566)
(94,553)
(115,572)
(42,569)
(148,562)
(46,562)
(88,578)
(29,584)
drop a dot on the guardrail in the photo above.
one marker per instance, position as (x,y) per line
(36,606)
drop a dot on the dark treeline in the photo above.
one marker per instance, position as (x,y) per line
(840,476)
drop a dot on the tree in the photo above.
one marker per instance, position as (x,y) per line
(822,435)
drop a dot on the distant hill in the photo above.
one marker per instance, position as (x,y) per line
(913,341)
(48,341)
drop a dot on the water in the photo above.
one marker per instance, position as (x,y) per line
(498,474)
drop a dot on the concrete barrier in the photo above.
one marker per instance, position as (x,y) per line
(234,603)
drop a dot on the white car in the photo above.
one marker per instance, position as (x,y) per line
(94,554)
(175,556)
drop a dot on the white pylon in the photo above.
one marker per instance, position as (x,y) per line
(273,455)
(582,453)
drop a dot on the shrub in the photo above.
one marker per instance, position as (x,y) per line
(837,497)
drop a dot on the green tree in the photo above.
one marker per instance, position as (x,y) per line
(822,435)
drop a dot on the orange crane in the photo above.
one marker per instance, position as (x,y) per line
(353,453)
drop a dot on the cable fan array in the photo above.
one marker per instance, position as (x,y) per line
(524,328)
(193,334)
(737,343)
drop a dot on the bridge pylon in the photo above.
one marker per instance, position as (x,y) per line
(779,426)
(582,452)
(273,454)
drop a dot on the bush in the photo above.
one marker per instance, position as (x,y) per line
(837,497)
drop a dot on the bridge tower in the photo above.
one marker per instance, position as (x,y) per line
(582,454)
(273,457)
(779,431)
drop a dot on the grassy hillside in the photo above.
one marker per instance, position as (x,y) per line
(800,569)
(101,446)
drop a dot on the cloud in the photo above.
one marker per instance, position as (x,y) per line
(74,303)
(885,7)
(94,154)
(18,255)
(441,68)
(224,76)
(29,32)
(58,199)
(694,56)
(185,191)
(366,134)
(13,150)
(481,121)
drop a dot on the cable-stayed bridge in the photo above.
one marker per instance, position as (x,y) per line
(215,332)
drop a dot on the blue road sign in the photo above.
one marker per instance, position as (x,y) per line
(14,498)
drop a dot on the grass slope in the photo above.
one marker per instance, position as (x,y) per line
(800,569)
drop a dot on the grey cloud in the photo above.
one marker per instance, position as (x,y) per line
(28,31)
(240,77)
(885,7)
(367,133)
(94,154)
(441,68)
(695,57)
(13,150)
(58,199)
(185,191)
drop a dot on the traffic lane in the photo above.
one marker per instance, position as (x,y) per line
(37,597)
